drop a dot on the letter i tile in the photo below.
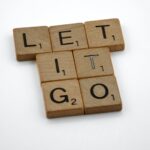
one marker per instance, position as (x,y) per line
(56,66)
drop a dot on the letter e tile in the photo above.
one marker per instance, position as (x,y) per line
(68,37)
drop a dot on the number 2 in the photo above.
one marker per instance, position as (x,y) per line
(73,101)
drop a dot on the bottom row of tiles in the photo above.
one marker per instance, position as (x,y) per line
(84,96)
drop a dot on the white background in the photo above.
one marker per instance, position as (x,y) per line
(23,125)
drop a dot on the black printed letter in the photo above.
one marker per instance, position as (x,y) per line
(103,86)
(65,97)
(61,37)
(103,30)
(25,41)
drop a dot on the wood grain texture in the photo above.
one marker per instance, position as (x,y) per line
(105,33)
(93,62)
(62,98)
(75,66)
(31,41)
(100,94)
(56,66)
(68,37)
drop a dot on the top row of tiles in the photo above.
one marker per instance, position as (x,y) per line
(30,41)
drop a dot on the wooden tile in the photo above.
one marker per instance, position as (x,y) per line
(100,94)
(31,41)
(62,98)
(93,62)
(68,37)
(56,66)
(105,33)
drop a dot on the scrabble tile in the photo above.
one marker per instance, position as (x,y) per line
(62,98)
(56,66)
(68,37)
(105,33)
(100,94)
(93,62)
(31,41)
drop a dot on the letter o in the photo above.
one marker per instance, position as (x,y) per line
(99,97)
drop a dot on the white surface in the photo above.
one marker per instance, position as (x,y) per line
(23,125)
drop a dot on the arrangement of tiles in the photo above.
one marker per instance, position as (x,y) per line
(74,64)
